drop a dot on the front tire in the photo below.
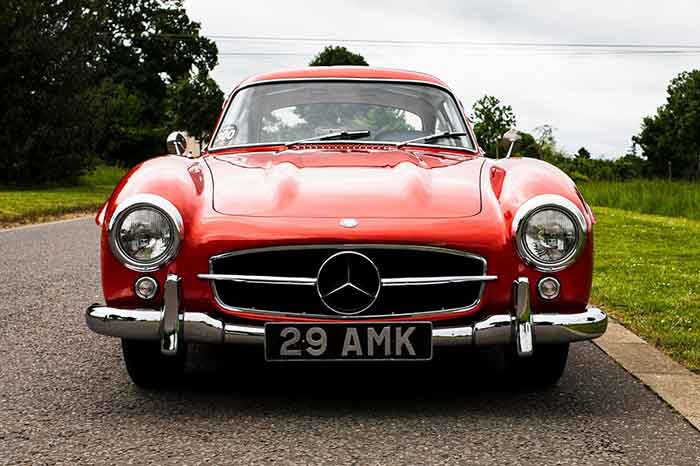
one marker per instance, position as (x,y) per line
(541,370)
(148,367)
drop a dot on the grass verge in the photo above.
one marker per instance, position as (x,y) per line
(18,206)
(647,275)
(673,199)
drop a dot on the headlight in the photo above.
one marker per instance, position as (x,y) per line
(550,232)
(145,232)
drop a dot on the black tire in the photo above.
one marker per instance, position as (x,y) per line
(541,370)
(148,367)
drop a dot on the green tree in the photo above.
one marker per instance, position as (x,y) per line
(337,56)
(155,56)
(527,147)
(583,153)
(672,136)
(49,116)
(345,115)
(492,120)
(84,79)
(545,137)
(383,118)
(198,119)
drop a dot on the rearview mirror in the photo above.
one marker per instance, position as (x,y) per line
(176,143)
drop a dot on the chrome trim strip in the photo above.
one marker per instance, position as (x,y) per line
(342,247)
(151,201)
(262,279)
(412,281)
(405,281)
(470,130)
(537,204)
(197,327)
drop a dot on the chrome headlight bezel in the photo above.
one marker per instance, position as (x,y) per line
(539,204)
(153,202)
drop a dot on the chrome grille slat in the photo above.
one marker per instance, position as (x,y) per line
(402,281)
(413,281)
(260,279)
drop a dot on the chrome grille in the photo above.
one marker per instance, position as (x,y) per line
(414,280)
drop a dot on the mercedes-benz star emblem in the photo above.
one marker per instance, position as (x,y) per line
(348,283)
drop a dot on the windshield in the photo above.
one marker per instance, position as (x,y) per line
(294,111)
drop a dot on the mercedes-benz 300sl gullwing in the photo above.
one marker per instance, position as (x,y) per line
(345,214)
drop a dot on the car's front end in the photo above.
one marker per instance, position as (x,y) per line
(346,250)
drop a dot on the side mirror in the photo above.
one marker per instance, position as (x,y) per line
(512,136)
(176,143)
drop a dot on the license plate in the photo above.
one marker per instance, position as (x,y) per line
(348,342)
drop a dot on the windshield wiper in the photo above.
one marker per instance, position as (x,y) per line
(433,137)
(347,135)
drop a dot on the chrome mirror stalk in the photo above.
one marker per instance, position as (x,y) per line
(512,136)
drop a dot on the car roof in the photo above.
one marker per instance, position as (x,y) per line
(340,72)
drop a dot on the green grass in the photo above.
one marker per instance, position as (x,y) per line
(672,199)
(647,275)
(29,205)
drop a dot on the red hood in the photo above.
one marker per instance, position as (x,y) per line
(339,184)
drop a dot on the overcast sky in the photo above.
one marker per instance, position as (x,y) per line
(594,97)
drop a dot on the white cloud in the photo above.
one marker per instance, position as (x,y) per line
(594,100)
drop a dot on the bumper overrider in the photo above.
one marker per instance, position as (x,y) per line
(171,325)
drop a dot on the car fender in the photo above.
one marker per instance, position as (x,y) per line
(512,182)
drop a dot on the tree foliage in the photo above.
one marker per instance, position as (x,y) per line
(673,134)
(338,56)
(193,103)
(46,111)
(90,79)
(583,153)
(347,116)
(492,120)
(158,64)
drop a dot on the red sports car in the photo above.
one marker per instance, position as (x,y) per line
(345,213)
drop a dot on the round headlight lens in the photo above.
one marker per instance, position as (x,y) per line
(145,232)
(550,236)
(550,232)
(145,235)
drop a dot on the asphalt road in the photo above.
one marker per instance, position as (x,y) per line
(65,397)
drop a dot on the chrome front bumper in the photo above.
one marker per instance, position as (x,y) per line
(171,325)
